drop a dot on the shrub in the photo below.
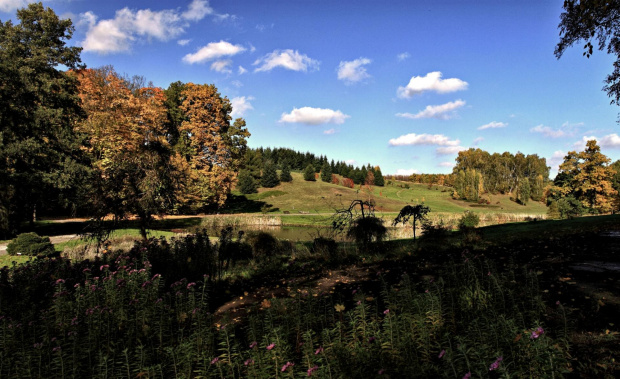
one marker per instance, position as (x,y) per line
(366,230)
(264,245)
(327,247)
(469,221)
(435,231)
(31,244)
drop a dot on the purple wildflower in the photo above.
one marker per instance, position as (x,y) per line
(269,347)
(385,312)
(287,365)
(443,352)
(495,365)
(381,372)
(319,350)
(537,333)
(467,376)
(249,362)
(215,360)
(253,345)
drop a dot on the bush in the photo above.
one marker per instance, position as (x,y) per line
(435,231)
(469,221)
(264,245)
(31,244)
(327,247)
(366,230)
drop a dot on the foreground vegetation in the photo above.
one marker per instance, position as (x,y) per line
(453,306)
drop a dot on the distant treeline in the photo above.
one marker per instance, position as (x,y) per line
(255,160)
(477,172)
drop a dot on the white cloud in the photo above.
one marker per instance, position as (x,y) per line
(128,26)
(423,139)
(402,56)
(237,83)
(442,112)
(242,70)
(329,131)
(478,140)
(556,159)
(611,141)
(288,59)
(447,150)
(197,10)
(12,5)
(493,125)
(183,42)
(222,66)
(353,71)
(406,171)
(314,116)
(548,132)
(431,82)
(446,164)
(240,105)
(351,162)
(213,50)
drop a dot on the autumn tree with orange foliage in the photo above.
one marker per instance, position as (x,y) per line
(127,145)
(213,148)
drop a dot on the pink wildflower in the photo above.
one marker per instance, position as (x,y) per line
(214,361)
(312,369)
(248,362)
(318,351)
(287,365)
(253,345)
(467,376)
(60,281)
(385,312)
(190,285)
(443,352)
(495,365)
(381,372)
(269,347)
(537,333)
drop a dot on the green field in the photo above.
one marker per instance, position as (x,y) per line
(303,197)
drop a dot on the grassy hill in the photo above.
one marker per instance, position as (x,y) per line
(302,197)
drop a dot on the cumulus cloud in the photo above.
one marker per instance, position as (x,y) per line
(12,5)
(556,159)
(406,171)
(240,106)
(431,82)
(548,132)
(493,125)
(197,10)
(446,164)
(213,50)
(116,35)
(442,112)
(447,150)
(423,139)
(288,59)
(222,66)
(402,56)
(329,131)
(314,116)
(353,71)
(610,141)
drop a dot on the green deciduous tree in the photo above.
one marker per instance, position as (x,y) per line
(39,152)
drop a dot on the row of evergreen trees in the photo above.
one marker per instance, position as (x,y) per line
(261,165)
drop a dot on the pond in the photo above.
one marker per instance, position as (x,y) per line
(308,233)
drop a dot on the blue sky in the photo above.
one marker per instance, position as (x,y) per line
(399,84)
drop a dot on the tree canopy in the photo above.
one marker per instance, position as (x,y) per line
(595,21)
(39,152)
